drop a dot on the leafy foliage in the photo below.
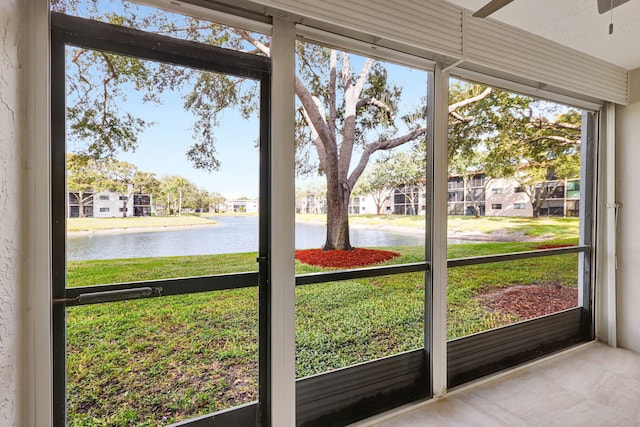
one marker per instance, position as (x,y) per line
(98,83)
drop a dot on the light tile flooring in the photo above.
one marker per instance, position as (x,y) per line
(593,385)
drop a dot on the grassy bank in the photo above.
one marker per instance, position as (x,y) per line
(101,224)
(550,227)
(156,361)
(531,227)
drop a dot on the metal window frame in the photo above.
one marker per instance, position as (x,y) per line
(80,32)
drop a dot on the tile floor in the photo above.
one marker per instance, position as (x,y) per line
(593,385)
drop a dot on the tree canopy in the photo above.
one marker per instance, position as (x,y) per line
(348,110)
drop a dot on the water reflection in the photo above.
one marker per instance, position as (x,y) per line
(231,235)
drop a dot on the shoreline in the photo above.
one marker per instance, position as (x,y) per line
(455,235)
(132,230)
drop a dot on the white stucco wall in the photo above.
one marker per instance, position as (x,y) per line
(628,193)
(12,168)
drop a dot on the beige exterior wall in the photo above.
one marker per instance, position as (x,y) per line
(508,198)
(627,178)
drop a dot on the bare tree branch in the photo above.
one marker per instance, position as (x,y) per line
(544,123)
(455,106)
(315,138)
(261,46)
(376,103)
(460,118)
(362,77)
(333,59)
(381,145)
(561,139)
(346,72)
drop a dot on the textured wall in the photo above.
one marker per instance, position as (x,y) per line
(12,94)
(628,192)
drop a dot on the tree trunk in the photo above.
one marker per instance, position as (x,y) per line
(337,217)
(81,204)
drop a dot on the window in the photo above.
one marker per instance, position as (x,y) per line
(478,180)
(355,323)
(455,182)
(482,325)
(103,210)
(104,197)
(141,199)
(122,197)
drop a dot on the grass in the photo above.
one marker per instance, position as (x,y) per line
(546,227)
(157,361)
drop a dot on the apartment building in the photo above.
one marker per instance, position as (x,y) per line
(108,204)
(507,197)
(244,205)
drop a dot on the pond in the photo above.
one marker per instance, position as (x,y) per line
(232,234)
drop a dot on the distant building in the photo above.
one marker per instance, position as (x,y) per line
(409,200)
(311,203)
(506,197)
(108,204)
(244,205)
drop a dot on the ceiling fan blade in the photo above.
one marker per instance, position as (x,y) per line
(493,6)
(605,5)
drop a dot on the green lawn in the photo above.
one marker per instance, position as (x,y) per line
(156,361)
(546,227)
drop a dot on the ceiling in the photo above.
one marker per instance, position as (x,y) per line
(576,24)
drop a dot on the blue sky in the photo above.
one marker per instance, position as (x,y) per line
(162,147)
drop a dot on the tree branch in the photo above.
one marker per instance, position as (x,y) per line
(316,115)
(455,106)
(381,145)
(346,72)
(261,46)
(460,118)
(362,77)
(561,139)
(333,59)
(317,141)
(376,103)
(544,123)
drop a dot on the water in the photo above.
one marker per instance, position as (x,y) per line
(233,234)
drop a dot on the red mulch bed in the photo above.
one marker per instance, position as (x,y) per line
(343,259)
(529,301)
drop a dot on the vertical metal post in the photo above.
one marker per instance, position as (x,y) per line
(438,236)
(428,247)
(612,207)
(264,228)
(587,160)
(58,213)
(282,266)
